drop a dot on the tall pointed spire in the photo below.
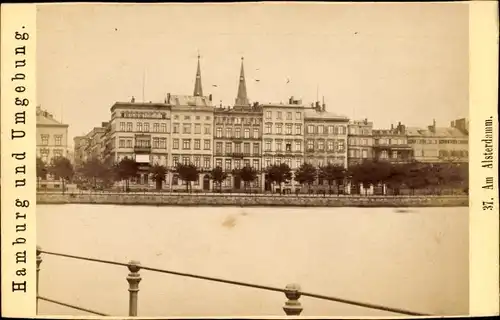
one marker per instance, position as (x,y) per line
(241,98)
(198,91)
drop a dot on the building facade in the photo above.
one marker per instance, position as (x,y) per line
(360,141)
(325,137)
(392,145)
(51,137)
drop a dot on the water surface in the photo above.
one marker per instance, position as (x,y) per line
(416,259)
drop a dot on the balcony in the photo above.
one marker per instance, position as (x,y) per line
(235,154)
(144,148)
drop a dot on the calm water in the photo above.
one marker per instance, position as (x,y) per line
(416,260)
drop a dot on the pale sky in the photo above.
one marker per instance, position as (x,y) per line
(386,62)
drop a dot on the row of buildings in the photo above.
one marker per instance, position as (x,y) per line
(193,129)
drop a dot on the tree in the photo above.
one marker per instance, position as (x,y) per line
(187,173)
(397,176)
(333,173)
(306,174)
(217,175)
(279,174)
(247,175)
(62,169)
(95,169)
(127,168)
(158,172)
(364,174)
(41,170)
(416,176)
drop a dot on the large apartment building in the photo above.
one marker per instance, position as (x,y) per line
(360,141)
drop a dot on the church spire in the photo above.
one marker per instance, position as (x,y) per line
(198,91)
(241,98)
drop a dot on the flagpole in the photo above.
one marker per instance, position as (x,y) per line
(143,84)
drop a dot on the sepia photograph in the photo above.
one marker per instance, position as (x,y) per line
(252,159)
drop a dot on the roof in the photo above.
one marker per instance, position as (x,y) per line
(324,115)
(439,132)
(43,118)
(185,100)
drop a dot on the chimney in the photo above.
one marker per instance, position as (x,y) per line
(392,126)
(168,97)
(210,97)
(434,123)
(133,99)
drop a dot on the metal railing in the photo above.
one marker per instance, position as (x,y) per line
(293,292)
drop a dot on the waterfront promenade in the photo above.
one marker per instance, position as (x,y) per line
(245,199)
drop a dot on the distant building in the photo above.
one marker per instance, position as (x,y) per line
(440,144)
(360,141)
(392,145)
(325,137)
(238,137)
(51,136)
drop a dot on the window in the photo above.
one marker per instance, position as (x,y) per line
(45,139)
(364,153)
(197,162)
(289,116)
(122,126)
(237,132)
(163,143)
(139,126)
(129,126)
(321,129)
(197,118)
(146,127)
(255,133)
(288,146)
(246,163)
(279,128)
(310,145)
(330,130)
(207,118)
(298,163)
(279,115)
(394,154)
(298,116)
(187,117)
(218,148)
(129,143)
(246,133)
(218,163)
(58,140)
(268,115)
(341,145)
(228,132)
(310,129)
(330,145)
(383,154)
(227,166)
(58,153)
(218,132)
(288,162)
(278,161)
(342,130)
(268,162)
(186,128)
(186,144)
(321,145)
(237,164)
(298,129)
(256,149)
(229,147)
(206,162)
(156,127)
(206,144)
(197,128)
(207,129)
(156,143)
(255,164)
(268,128)
(237,147)
(186,160)
(175,161)
(176,128)
(197,144)
(121,143)
(288,129)
(298,146)
(175,144)
(246,148)
(163,127)
(279,145)
(268,145)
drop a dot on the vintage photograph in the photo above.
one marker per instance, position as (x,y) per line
(252,159)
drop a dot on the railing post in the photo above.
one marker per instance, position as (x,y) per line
(38,262)
(133,279)
(292,306)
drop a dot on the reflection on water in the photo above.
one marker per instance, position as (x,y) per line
(415,259)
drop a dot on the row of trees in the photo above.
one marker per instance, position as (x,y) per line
(412,175)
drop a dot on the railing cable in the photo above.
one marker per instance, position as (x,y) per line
(245,284)
(72,306)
